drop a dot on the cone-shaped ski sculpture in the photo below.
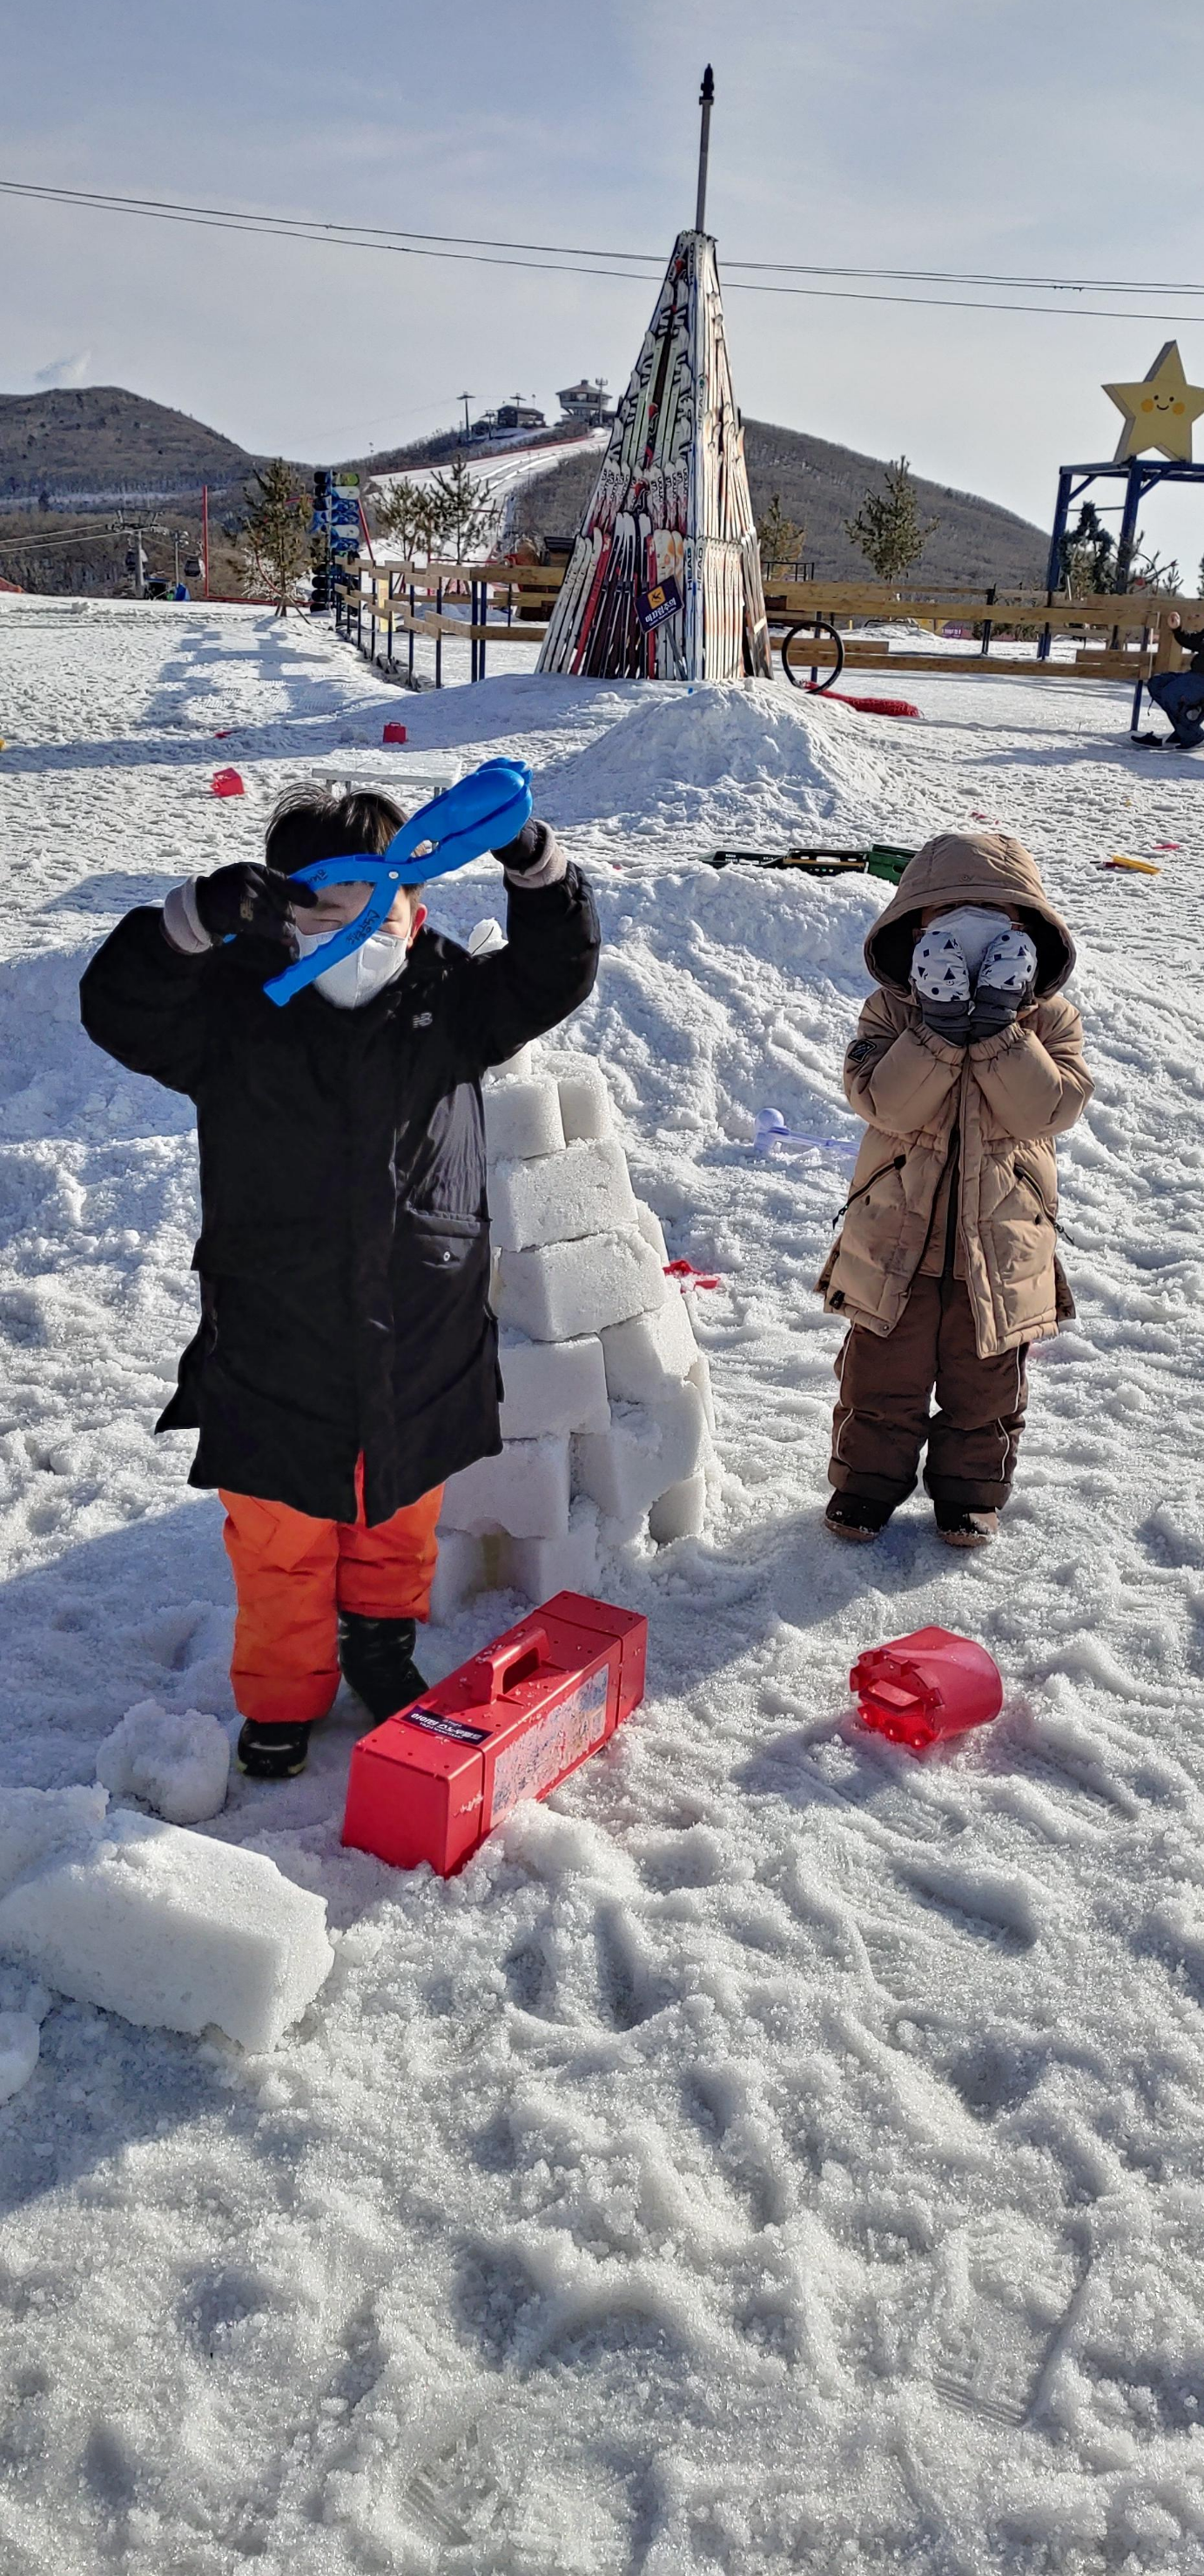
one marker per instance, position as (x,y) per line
(671,505)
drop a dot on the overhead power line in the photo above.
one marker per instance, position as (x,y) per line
(555,258)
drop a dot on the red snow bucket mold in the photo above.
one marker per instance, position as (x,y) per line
(394,733)
(226,782)
(866,706)
(919,1688)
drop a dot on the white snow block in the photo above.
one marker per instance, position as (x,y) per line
(20,2043)
(699,1374)
(645,1452)
(180,1766)
(525,1492)
(541,1567)
(519,1067)
(522,1118)
(560,1197)
(559,1291)
(552,1387)
(652,1230)
(641,1355)
(459,1572)
(585,1103)
(168,1928)
(681,1513)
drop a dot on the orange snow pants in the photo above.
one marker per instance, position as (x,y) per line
(293,1575)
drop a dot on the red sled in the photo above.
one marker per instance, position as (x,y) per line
(436,1778)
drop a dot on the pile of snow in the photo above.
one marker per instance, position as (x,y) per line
(168,1928)
(179,1765)
(727,754)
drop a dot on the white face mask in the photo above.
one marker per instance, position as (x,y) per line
(357,979)
(974,926)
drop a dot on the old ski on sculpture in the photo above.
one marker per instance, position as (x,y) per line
(671,504)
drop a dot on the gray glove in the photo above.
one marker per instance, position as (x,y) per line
(1005,983)
(940,980)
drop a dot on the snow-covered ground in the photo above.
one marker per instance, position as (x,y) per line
(773,2153)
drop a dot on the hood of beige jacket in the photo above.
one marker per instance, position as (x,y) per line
(969,867)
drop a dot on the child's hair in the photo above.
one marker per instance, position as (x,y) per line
(309,823)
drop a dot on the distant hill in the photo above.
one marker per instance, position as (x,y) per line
(819,486)
(99,442)
(90,446)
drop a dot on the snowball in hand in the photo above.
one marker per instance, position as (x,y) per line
(180,1766)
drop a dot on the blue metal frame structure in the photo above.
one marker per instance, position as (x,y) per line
(1140,475)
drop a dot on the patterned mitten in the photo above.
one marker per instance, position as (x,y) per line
(940,980)
(1005,982)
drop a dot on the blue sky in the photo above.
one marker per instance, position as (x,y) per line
(1043,136)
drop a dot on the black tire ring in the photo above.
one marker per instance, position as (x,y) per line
(809,630)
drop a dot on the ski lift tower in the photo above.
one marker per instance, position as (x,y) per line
(664,581)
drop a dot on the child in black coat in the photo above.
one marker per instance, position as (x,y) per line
(346,1361)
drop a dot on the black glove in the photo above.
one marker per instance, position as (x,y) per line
(249,901)
(992,1012)
(1006,979)
(528,851)
(940,982)
(949,1020)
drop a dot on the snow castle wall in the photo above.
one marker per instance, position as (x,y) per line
(606,1418)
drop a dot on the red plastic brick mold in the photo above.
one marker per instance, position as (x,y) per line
(932,1684)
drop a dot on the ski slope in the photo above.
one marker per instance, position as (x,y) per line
(772,2154)
(500,478)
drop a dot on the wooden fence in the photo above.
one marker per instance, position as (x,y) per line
(484,604)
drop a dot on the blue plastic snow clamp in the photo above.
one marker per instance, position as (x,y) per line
(481,812)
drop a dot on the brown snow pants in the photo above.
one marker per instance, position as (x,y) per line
(883,1416)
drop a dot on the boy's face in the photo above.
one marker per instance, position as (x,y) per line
(337,904)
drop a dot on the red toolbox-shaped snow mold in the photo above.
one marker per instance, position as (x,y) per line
(436,1778)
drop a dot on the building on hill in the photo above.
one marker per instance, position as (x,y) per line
(508,416)
(586,404)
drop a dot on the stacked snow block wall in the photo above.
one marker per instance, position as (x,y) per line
(606,1421)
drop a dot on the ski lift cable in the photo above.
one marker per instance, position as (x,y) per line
(501,255)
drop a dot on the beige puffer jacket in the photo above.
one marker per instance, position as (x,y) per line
(990,1111)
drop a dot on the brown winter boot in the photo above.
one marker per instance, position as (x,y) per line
(962,1528)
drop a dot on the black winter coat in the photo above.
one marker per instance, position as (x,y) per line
(344,1248)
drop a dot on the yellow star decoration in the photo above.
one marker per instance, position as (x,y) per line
(1160,410)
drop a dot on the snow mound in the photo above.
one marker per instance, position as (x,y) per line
(725,754)
(180,1766)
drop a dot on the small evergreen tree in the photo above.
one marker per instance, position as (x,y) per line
(887,529)
(465,519)
(1088,554)
(274,542)
(780,540)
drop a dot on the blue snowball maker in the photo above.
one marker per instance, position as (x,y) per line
(482,812)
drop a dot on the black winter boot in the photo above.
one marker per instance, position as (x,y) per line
(377,1656)
(272,1752)
(855,1516)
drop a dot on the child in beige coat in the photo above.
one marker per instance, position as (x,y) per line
(966,1065)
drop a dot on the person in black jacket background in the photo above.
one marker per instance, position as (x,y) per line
(346,1360)
(1180,694)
